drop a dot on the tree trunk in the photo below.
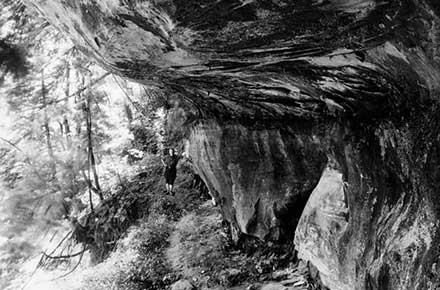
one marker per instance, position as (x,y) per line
(47,128)
(128,113)
(65,124)
(67,133)
(91,155)
(61,127)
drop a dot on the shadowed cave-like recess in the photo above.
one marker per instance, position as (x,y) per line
(331,102)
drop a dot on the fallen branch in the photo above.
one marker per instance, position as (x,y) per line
(64,256)
(75,267)
(59,244)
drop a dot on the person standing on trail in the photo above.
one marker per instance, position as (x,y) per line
(170,163)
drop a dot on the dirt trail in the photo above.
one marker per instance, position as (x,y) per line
(200,251)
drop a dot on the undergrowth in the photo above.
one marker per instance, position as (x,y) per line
(128,234)
(134,199)
(138,261)
(148,240)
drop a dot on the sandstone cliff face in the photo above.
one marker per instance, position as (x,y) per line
(372,221)
(261,177)
(337,99)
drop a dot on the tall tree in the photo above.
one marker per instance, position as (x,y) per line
(90,154)
(46,125)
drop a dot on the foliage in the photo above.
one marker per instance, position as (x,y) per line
(135,198)
(12,59)
(140,218)
(138,261)
(14,24)
(45,140)
(105,225)
(144,139)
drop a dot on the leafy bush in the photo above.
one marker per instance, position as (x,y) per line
(145,139)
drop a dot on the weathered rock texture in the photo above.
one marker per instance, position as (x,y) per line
(261,177)
(286,89)
(263,59)
(323,222)
(372,221)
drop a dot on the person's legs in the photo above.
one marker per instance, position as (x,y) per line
(167,179)
(172,178)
